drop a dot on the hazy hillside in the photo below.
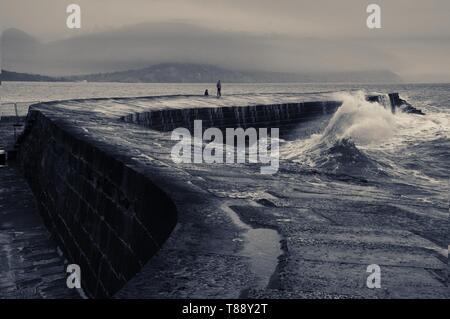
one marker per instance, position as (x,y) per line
(170,73)
(18,77)
(197,73)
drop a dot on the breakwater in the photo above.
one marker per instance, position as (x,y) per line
(106,217)
(111,197)
(272,115)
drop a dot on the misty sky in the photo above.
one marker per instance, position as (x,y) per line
(414,39)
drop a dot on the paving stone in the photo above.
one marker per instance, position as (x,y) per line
(26,250)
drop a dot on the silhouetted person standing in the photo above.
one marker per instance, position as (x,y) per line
(219,89)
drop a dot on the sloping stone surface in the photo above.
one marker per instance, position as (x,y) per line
(330,234)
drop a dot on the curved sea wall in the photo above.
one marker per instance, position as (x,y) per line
(281,115)
(106,187)
(272,115)
(107,218)
(117,204)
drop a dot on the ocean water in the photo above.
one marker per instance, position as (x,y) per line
(401,156)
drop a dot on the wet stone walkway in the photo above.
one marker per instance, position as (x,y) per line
(30,266)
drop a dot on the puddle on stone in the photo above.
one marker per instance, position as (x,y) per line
(261,245)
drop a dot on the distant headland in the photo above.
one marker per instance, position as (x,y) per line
(204,73)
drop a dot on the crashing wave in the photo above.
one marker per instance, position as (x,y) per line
(340,148)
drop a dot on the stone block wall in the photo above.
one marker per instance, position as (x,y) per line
(276,115)
(106,217)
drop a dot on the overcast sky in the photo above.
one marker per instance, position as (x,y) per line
(325,18)
(420,28)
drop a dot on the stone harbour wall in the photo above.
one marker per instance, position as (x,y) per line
(275,115)
(106,217)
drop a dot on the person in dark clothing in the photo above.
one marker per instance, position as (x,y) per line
(219,89)
(206,92)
